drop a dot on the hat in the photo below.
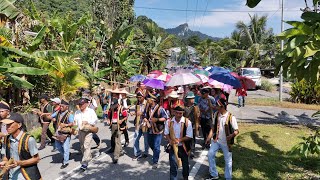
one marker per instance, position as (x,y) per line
(56,100)
(63,102)
(4,105)
(179,108)
(222,102)
(205,90)
(173,94)
(44,96)
(180,90)
(117,91)
(83,101)
(14,117)
(124,91)
(190,95)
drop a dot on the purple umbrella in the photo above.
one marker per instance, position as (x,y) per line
(154,83)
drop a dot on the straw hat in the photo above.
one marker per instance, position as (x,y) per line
(117,91)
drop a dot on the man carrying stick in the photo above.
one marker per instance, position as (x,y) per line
(179,133)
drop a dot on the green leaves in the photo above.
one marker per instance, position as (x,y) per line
(8,9)
(20,82)
(301,55)
(27,71)
(252,3)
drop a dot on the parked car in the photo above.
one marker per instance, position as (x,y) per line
(252,73)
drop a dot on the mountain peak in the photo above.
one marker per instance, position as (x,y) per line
(183,31)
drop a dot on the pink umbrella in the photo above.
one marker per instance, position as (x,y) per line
(164,77)
(155,74)
(203,78)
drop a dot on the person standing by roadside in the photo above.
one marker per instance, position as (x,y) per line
(22,148)
(241,93)
(206,106)
(45,119)
(85,118)
(104,99)
(192,112)
(56,108)
(64,119)
(155,117)
(139,129)
(223,130)
(181,128)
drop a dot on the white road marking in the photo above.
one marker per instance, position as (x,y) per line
(90,164)
(196,166)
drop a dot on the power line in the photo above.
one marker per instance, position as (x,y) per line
(195,15)
(204,13)
(217,11)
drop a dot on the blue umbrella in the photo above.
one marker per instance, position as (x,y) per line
(137,78)
(226,78)
(216,69)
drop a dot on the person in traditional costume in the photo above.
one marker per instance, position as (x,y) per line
(45,120)
(118,116)
(64,119)
(155,117)
(179,133)
(140,128)
(223,130)
(20,151)
(192,112)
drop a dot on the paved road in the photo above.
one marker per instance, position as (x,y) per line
(102,168)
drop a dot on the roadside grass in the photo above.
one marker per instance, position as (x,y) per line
(36,132)
(262,152)
(284,104)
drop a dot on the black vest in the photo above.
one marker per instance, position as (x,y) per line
(29,172)
(215,127)
(156,114)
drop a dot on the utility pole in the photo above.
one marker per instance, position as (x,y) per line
(282,44)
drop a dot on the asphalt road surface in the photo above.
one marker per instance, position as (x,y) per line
(101,167)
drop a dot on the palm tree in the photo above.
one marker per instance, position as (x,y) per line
(251,39)
(152,48)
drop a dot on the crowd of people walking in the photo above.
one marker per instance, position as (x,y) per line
(178,114)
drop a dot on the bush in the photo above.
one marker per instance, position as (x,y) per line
(267,86)
(305,92)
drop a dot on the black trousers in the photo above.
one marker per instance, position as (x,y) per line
(205,127)
(96,138)
(126,135)
(174,166)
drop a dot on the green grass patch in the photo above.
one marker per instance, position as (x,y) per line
(36,132)
(261,152)
(267,86)
(284,104)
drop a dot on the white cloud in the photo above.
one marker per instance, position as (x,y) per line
(225,19)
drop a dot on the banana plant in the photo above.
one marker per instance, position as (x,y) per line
(11,70)
(7,11)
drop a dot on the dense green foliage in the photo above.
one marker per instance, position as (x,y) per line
(305,92)
(267,86)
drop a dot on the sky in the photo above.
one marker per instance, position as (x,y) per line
(216,18)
